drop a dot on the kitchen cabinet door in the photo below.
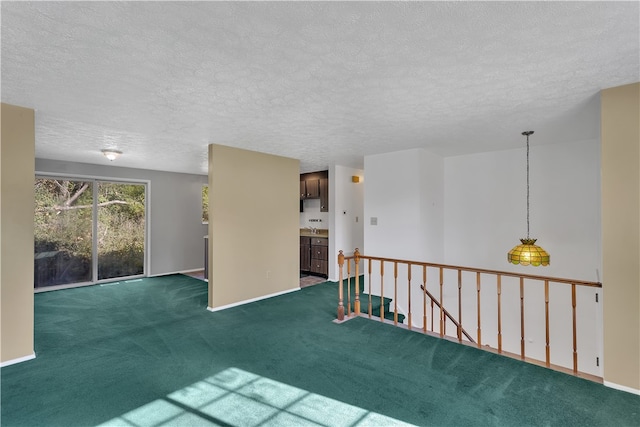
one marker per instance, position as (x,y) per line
(319,255)
(313,188)
(305,254)
(324,195)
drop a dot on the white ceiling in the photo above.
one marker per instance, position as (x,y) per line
(323,82)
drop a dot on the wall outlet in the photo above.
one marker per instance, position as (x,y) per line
(374,220)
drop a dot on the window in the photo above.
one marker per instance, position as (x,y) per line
(205,204)
(87,230)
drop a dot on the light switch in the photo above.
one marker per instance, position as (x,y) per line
(374,220)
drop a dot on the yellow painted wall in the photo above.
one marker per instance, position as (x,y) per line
(17,163)
(620,127)
(253,225)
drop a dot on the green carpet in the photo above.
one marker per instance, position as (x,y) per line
(133,352)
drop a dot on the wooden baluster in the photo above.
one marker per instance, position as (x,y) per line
(370,303)
(479,334)
(499,288)
(348,288)
(395,293)
(424,298)
(547,349)
(409,295)
(446,316)
(459,331)
(575,337)
(432,316)
(340,290)
(442,325)
(356,257)
(381,290)
(522,317)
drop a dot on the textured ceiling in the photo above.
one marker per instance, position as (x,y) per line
(323,82)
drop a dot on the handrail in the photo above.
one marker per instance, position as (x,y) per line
(446,313)
(480,270)
(510,308)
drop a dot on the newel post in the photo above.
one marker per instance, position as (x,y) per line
(356,257)
(340,290)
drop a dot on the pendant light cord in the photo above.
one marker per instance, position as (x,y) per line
(527,133)
(528,184)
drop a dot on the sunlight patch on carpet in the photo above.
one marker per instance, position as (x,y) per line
(235,397)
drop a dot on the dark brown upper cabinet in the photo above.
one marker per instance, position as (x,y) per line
(313,188)
(324,194)
(315,185)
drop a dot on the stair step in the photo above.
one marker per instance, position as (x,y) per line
(375,306)
(364,301)
(387,314)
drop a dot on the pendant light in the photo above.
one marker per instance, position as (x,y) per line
(528,253)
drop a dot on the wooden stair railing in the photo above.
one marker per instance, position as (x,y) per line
(459,327)
(446,315)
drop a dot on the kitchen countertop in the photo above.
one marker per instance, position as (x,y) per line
(321,232)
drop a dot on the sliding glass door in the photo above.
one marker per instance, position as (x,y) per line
(63,232)
(88,230)
(121,229)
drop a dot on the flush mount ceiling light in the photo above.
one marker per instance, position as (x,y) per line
(111,154)
(528,253)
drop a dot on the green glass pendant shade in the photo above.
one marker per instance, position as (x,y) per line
(528,253)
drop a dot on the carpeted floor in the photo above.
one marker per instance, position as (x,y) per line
(305,279)
(147,352)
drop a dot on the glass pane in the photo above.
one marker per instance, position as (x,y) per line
(121,229)
(205,204)
(63,219)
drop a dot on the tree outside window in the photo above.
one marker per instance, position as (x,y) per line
(205,204)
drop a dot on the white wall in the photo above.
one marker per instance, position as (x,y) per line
(432,204)
(470,211)
(312,213)
(485,211)
(485,208)
(405,191)
(346,219)
(176,232)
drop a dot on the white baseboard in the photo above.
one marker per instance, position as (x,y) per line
(235,304)
(176,272)
(621,387)
(191,271)
(18,360)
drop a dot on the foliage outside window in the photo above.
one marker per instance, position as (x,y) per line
(205,204)
(121,227)
(64,237)
(63,232)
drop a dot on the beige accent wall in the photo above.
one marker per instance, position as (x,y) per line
(253,225)
(17,157)
(620,127)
